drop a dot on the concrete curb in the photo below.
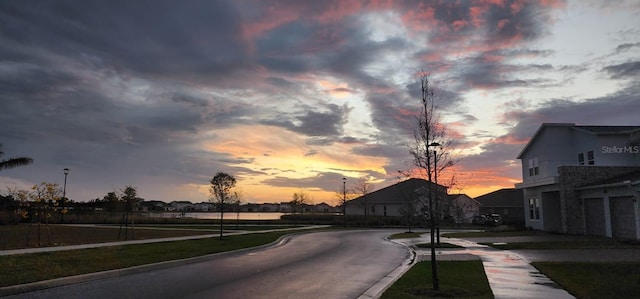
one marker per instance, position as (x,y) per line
(378,289)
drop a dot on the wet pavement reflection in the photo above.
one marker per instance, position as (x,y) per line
(509,274)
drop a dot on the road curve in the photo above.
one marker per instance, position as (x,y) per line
(336,264)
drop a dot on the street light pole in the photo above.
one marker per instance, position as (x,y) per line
(344,201)
(434,224)
(435,174)
(64,194)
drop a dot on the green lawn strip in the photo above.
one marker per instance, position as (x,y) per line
(25,268)
(577,244)
(458,279)
(493,234)
(406,235)
(441,245)
(595,280)
(217,227)
(15,236)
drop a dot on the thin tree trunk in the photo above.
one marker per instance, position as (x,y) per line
(221,217)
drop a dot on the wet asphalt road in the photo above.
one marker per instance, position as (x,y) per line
(341,264)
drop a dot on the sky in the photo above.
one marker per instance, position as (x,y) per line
(292,96)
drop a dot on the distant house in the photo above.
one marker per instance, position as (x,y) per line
(181,206)
(204,207)
(509,203)
(269,207)
(394,200)
(323,208)
(461,208)
(152,206)
(582,180)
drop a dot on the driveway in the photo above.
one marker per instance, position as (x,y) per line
(564,255)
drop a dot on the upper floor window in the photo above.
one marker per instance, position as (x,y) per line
(589,161)
(534,168)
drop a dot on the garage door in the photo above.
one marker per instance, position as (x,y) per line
(622,218)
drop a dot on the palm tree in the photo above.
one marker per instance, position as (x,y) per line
(13,162)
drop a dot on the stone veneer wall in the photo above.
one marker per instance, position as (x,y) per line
(571,177)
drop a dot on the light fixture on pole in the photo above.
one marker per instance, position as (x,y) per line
(344,201)
(64,194)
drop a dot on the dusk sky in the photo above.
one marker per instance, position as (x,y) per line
(291,96)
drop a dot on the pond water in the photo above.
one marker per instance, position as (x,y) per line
(216,215)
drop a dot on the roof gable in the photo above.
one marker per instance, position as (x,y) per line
(595,130)
(396,192)
(508,197)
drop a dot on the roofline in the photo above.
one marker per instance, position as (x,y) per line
(610,185)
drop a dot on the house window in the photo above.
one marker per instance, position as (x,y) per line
(590,158)
(534,168)
(534,208)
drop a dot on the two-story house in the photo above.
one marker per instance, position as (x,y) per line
(567,173)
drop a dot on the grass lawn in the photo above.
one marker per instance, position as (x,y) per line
(15,236)
(600,243)
(458,279)
(494,234)
(216,228)
(25,268)
(406,235)
(595,280)
(441,245)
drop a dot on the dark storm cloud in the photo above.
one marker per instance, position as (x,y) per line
(329,140)
(445,98)
(342,49)
(481,72)
(154,38)
(502,23)
(627,70)
(393,114)
(325,181)
(626,47)
(619,108)
(312,123)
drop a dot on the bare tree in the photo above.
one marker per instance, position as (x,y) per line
(298,201)
(459,209)
(222,185)
(362,188)
(128,202)
(429,136)
(238,198)
(410,206)
(38,205)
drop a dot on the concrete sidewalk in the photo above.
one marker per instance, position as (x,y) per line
(130,242)
(509,275)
